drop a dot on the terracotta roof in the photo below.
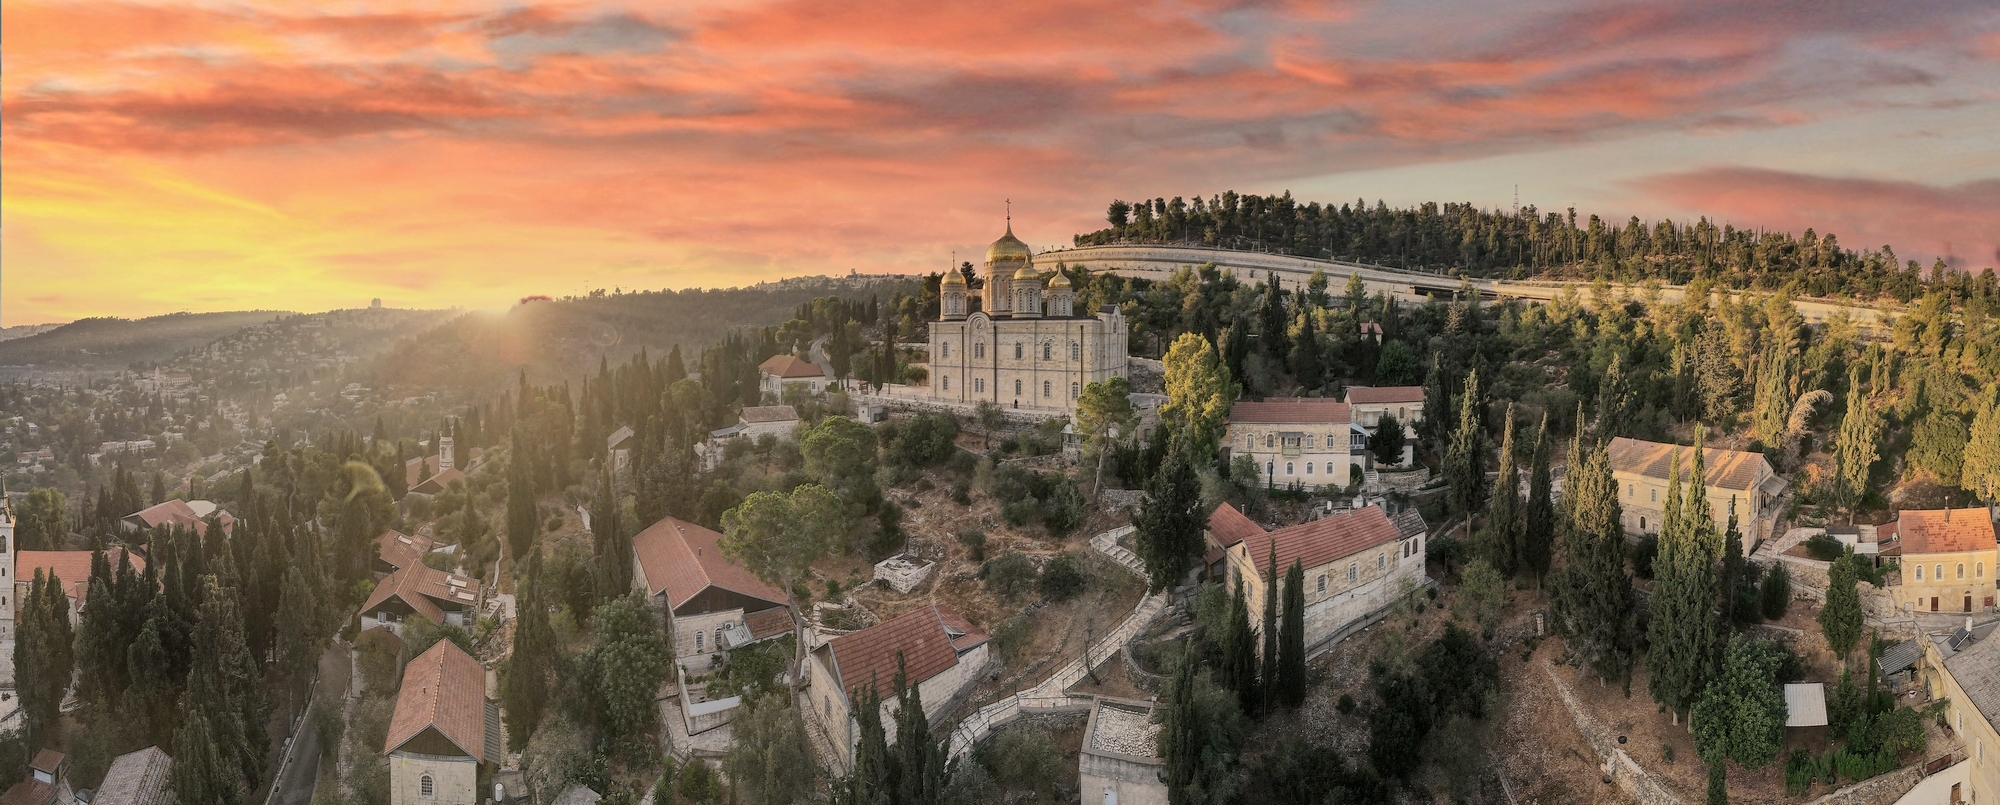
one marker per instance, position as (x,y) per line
(413,468)
(178,512)
(1409,522)
(1727,469)
(964,635)
(1228,526)
(47,760)
(401,550)
(438,482)
(137,778)
(786,366)
(1385,394)
(682,559)
(768,623)
(444,689)
(1324,540)
(1292,410)
(29,792)
(421,587)
(871,653)
(73,567)
(1945,530)
(770,413)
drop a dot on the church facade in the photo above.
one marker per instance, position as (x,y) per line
(1027,348)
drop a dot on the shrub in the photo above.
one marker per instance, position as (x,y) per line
(1824,547)
(961,493)
(1642,554)
(1063,578)
(1346,703)
(1776,597)
(555,523)
(1013,636)
(1008,575)
(974,541)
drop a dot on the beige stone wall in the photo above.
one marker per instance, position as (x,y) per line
(830,707)
(1368,415)
(1977,736)
(1338,601)
(455,780)
(1117,781)
(1966,574)
(1641,497)
(685,628)
(1080,352)
(1327,451)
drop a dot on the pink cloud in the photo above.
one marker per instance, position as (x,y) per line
(1959,222)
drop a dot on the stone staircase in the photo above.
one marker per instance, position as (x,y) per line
(1107,544)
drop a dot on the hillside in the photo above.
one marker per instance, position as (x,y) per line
(118,343)
(565,338)
(25,330)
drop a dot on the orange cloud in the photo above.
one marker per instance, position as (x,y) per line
(1960,223)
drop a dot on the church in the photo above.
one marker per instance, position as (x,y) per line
(1027,348)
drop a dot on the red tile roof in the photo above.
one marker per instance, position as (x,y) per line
(401,550)
(682,559)
(438,482)
(413,468)
(1726,469)
(770,413)
(47,760)
(871,653)
(444,688)
(421,587)
(29,792)
(770,622)
(1946,530)
(1292,410)
(1377,395)
(73,567)
(1229,526)
(786,366)
(1324,540)
(177,512)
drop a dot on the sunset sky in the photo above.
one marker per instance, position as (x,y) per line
(311,155)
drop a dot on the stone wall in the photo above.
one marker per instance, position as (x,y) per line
(455,781)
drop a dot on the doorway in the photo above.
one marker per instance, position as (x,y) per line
(1934,603)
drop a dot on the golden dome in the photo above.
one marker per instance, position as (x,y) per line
(1061,281)
(1026,273)
(1008,247)
(954,277)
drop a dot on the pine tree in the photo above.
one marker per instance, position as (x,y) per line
(1593,596)
(1538,516)
(1504,527)
(1841,618)
(1292,639)
(1170,522)
(1681,629)
(1465,458)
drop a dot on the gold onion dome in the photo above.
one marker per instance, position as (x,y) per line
(954,277)
(1008,247)
(1060,281)
(1026,273)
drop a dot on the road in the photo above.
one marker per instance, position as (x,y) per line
(295,783)
(1158,261)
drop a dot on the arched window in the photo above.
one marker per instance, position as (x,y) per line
(1309,468)
(1045,388)
(979,349)
(1249,441)
(1309,442)
(1270,440)
(697,641)
(1048,351)
(1017,350)
(946,380)
(1017,383)
(979,384)
(1322,584)
(1642,524)
(1937,572)
(1075,351)
(1656,495)
(1288,468)
(427,786)
(1074,390)
(1961,570)
(718,638)
(944,350)
(1631,489)
(1920,572)
(1979,570)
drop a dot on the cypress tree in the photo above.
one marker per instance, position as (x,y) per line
(920,761)
(1239,651)
(1181,736)
(1854,447)
(609,541)
(1436,421)
(873,779)
(1593,596)
(1538,517)
(1465,458)
(1980,472)
(1718,782)
(1504,527)
(523,523)
(1270,681)
(201,771)
(1308,368)
(525,687)
(44,657)
(1681,627)
(1292,639)
(1841,618)
(1614,399)
(1170,523)
(1273,341)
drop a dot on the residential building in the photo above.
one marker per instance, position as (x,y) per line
(1119,763)
(1738,482)
(1368,404)
(1310,441)
(444,738)
(47,782)
(1027,348)
(419,589)
(71,567)
(752,422)
(1356,562)
(395,550)
(710,603)
(942,655)
(189,514)
(1948,559)
(137,778)
(1963,667)
(780,372)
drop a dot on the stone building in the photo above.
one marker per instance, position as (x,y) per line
(1738,481)
(1119,763)
(1027,347)
(1948,559)
(444,737)
(1962,667)
(710,603)
(942,655)
(420,590)
(1310,441)
(1355,562)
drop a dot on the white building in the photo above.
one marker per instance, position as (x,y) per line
(1310,441)
(1355,562)
(1028,347)
(1368,404)
(942,655)
(780,372)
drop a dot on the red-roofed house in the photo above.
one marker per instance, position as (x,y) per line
(47,782)
(942,655)
(781,371)
(1356,562)
(420,589)
(444,738)
(395,550)
(189,514)
(1948,559)
(72,567)
(711,604)
(1310,441)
